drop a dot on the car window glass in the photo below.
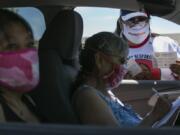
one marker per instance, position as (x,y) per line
(104,19)
(165,27)
(34,17)
(98,19)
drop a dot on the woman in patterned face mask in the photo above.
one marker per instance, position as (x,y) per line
(19,71)
(103,61)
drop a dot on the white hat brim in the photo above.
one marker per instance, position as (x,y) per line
(134,14)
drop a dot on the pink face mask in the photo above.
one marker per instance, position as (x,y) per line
(114,78)
(19,70)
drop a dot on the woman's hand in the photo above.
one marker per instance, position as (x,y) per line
(175,68)
(145,74)
(162,107)
(128,75)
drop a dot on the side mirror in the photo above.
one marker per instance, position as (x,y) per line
(158,7)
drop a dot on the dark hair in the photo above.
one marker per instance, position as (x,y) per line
(8,17)
(105,42)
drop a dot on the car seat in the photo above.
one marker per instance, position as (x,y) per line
(58,57)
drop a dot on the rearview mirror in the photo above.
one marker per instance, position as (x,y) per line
(158,7)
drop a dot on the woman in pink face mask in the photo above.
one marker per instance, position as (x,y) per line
(102,68)
(19,71)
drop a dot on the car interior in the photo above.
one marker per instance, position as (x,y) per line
(58,51)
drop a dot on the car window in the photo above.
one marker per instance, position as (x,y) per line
(105,19)
(34,17)
(97,19)
(165,27)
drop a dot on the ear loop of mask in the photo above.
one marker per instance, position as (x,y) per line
(110,61)
(114,64)
(104,56)
(94,50)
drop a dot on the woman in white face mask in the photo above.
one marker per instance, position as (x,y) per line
(103,61)
(134,27)
(19,71)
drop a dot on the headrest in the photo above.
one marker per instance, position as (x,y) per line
(127,14)
(68,26)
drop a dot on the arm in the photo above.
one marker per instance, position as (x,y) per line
(2,117)
(161,108)
(162,74)
(153,74)
(148,120)
(92,110)
(147,73)
(166,74)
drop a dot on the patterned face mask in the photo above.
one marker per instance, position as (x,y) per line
(114,78)
(19,70)
(136,34)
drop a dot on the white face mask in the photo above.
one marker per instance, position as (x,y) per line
(138,33)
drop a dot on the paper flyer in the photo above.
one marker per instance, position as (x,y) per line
(164,59)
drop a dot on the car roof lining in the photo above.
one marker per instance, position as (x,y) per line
(93,3)
(119,4)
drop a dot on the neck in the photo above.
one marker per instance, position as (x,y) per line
(96,82)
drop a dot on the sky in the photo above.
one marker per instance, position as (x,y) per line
(99,19)
(95,20)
